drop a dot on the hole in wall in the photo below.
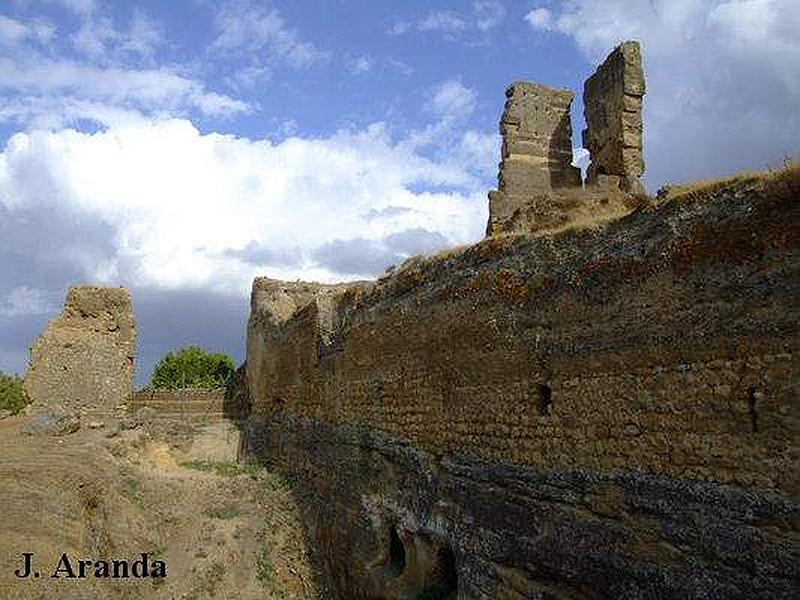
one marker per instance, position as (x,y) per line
(752,399)
(545,400)
(444,574)
(397,553)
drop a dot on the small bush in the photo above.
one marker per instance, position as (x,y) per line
(11,395)
(193,367)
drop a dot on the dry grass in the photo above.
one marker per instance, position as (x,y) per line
(783,179)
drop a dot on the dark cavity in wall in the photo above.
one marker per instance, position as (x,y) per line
(444,574)
(397,553)
(752,399)
(545,400)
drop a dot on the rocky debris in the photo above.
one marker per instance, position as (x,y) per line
(95,424)
(54,421)
(4,414)
(85,357)
(612,99)
(142,417)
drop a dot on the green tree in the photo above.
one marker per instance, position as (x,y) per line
(192,367)
(11,395)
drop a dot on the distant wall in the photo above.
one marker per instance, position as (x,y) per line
(176,403)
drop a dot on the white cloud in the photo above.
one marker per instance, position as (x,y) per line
(488,14)
(249,27)
(24,300)
(362,64)
(723,77)
(99,38)
(66,85)
(80,7)
(453,100)
(182,209)
(445,21)
(14,32)
(540,18)
(399,28)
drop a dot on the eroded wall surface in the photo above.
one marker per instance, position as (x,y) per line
(85,357)
(612,99)
(536,155)
(602,414)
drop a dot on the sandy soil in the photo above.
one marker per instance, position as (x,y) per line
(172,490)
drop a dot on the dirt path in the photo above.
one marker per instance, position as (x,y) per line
(174,491)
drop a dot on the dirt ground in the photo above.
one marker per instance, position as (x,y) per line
(171,490)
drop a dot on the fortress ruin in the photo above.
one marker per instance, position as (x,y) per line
(85,357)
(601,412)
(595,412)
(536,156)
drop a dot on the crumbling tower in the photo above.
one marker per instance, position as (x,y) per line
(537,182)
(536,153)
(612,99)
(84,359)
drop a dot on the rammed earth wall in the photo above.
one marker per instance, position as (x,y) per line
(608,413)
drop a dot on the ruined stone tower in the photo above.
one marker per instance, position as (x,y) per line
(536,152)
(612,99)
(537,183)
(85,357)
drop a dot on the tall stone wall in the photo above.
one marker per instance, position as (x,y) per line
(597,414)
(612,99)
(85,357)
(536,153)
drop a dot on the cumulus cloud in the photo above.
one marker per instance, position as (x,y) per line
(362,64)
(169,207)
(25,300)
(540,18)
(250,27)
(488,14)
(14,32)
(485,16)
(723,77)
(72,83)
(445,21)
(360,256)
(97,72)
(453,100)
(187,219)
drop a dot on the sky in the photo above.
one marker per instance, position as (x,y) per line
(182,148)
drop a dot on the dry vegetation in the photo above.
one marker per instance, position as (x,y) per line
(225,530)
(784,180)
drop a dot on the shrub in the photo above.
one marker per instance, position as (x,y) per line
(193,367)
(11,395)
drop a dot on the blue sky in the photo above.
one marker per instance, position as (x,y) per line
(182,148)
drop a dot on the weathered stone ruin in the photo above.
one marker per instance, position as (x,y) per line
(598,414)
(537,184)
(595,413)
(612,99)
(85,357)
(536,152)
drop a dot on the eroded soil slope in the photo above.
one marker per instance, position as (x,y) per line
(173,491)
